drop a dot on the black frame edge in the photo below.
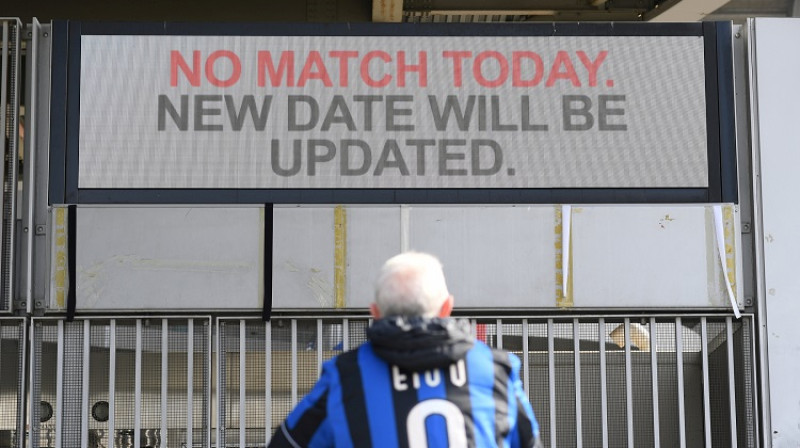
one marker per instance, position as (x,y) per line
(712,112)
(397,196)
(266,312)
(727,115)
(393,29)
(72,245)
(73,114)
(59,64)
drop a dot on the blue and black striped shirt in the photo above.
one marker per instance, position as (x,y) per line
(361,400)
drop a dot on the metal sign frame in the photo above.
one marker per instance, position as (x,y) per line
(65,119)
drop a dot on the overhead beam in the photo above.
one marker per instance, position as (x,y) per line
(684,11)
(527,5)
(387,10)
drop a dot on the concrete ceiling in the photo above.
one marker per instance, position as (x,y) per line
(399,10)
(591,10)
(739,10)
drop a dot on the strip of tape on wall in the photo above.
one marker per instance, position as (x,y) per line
(719,230)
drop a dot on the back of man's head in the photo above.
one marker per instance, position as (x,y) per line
(411,284)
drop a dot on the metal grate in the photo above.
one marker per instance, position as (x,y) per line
(12,373)
(99,381)
(121,382)
(72,384)
(44,390)
(593,382)
(745,383)
(591,397)
(9,141)
(667,379)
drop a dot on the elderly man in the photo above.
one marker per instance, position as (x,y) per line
(421,381)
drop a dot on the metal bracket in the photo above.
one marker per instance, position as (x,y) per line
(746,227)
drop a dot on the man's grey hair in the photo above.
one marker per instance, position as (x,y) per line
(411,284)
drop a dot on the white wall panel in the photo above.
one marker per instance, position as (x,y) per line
(492,256)
(631,257)
(777,70)
(373,235)
(302,261)
(169,258)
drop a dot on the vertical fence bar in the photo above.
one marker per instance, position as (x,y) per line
(679,367)
(87,347)
(319,347)
(190,383)
(754,423)
(242,381)
(526,375)
(654,385)
(137,388)
(405,220)
(706,394)
(345,335)
(112,375)
(731,383)
(22,332)
(1,352)
(207,379)
(221,386)
(59,384)
(268,382)
(628,383)
(5,414)
(164,377)
(603,385)
(551,376)
(294,362)
(35,360)
(576,353)
(499,327)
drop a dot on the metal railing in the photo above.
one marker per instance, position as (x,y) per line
(121,382)
(593,381)
(659,381)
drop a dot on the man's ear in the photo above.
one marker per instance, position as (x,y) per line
(374,311)
(447,307)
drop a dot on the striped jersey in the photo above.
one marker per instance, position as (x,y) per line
(475,399)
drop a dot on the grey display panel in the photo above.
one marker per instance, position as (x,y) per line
(418,112)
